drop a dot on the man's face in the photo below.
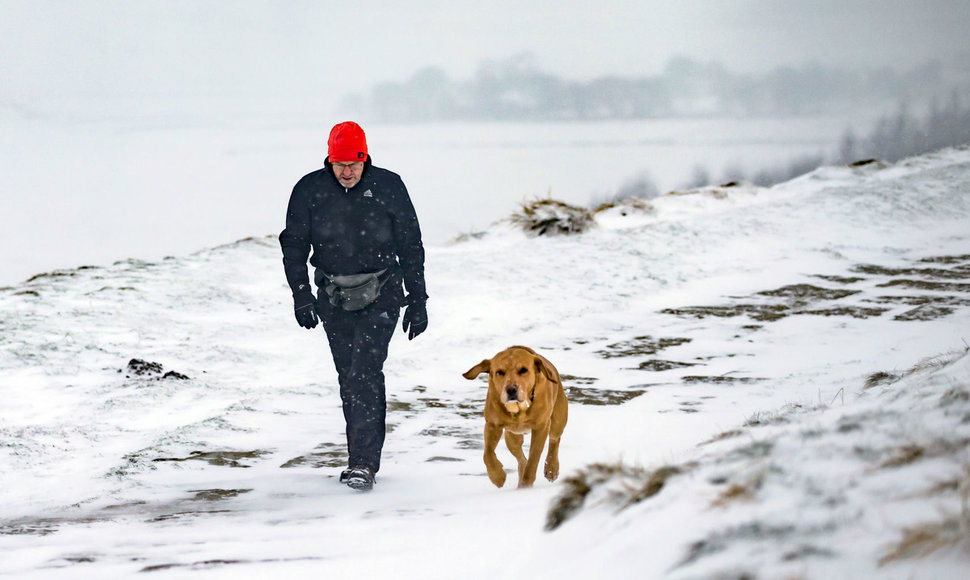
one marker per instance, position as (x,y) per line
(348,174)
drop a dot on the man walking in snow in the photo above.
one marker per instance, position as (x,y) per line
(361,226)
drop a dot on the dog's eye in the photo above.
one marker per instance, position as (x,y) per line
(500,373)
(523,370)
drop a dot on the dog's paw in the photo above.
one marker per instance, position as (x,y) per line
(551,471)
(496,473)
(497,478)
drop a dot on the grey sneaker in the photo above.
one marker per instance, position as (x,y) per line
(359,478)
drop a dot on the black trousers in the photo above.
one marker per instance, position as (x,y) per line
(358,343)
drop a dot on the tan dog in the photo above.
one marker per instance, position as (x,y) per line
(525,395)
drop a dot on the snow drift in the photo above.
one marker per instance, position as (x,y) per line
(762,383)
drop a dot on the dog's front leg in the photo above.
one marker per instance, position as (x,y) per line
(552,459)
(536,445)
(496,473)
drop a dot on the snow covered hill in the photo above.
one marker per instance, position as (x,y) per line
(763,383)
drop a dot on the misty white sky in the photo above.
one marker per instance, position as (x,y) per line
(103,47)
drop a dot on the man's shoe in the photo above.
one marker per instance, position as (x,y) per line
(344,474)
(360,478)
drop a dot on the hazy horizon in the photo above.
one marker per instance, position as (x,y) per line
(109,47)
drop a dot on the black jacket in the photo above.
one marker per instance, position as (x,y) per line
(366,228)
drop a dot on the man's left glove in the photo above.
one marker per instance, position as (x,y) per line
(415,318)
(304,308)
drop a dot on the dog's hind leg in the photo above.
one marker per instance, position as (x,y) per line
(556,427)
(514,442)
(536,445)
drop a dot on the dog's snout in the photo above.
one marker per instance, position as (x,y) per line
(512,392)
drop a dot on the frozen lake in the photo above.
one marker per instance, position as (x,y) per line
(81,188)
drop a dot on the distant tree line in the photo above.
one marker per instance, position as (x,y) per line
(902,134)
(516,89)
(893,137)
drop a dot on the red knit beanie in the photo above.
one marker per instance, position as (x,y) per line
(347,143)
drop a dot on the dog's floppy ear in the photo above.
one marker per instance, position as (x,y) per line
(482,367)
(543,368)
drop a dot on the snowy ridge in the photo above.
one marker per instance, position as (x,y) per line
(728,333)
(871,487)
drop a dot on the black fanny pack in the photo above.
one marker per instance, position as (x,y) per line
(353,292)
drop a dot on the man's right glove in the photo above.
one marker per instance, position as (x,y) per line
(304,308)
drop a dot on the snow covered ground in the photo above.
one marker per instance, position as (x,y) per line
(763,383)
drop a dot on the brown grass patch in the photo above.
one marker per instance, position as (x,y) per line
(880,378)
(634,484)
(950,532)
(739,492)
(723,436)
(905,455)
(922,540)
(653,484)
(552,217)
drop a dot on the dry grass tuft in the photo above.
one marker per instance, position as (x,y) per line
(576,488)
(633,485)
(927,364)
(762,418)
(955,395)
(881,378)
(934,362)
(734,492)
(653,484)
(952,531)
(550,217)
(739,491)
(911,453)
(626,207)
(922,540)
(904,456)
(730,434)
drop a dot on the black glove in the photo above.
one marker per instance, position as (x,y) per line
(416,317)
(304,308)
